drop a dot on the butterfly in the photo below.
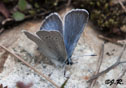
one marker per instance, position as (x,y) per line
(56,39)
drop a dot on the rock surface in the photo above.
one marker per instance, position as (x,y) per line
(83,68)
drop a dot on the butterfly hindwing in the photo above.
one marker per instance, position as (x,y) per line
(74,23)
(54,44)
(52,22)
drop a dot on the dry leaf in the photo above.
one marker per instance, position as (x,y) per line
(4,10)
(22,85)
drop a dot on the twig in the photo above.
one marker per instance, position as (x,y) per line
(110,40)
(68,3)
(98,65)
(27,64)
(2,60)
(109,68)
(9,21)
(114,86)
(118,60)
(123,7)
(1,30)
(37,15)
(122,74)
(6,20)
(103,72)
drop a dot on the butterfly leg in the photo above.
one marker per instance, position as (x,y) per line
(69,61)
(67,72)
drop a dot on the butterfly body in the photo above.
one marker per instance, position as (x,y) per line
(57,40)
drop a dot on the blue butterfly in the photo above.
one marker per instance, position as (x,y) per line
(56,39)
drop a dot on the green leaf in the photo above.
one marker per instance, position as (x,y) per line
(5,1)
(22,4)
(32,12)
(65,82)
(36,5)
(18,16)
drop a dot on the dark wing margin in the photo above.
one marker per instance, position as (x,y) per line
(74,23)
(52,22)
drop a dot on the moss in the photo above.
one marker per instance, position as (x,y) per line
(103,13)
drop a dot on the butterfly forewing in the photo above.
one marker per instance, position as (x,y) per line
(52,22)
(54,44)
(74,23)
(32,37)
(42,45)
